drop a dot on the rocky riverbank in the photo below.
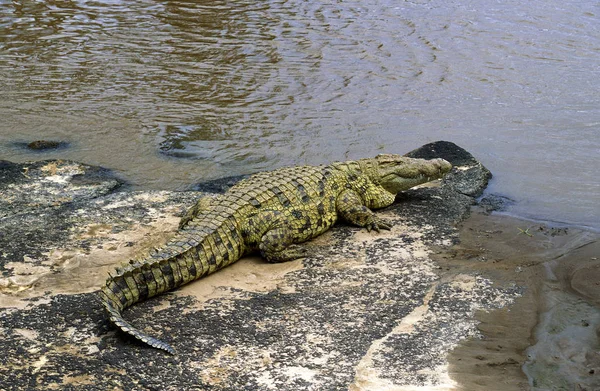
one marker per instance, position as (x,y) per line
(425,306)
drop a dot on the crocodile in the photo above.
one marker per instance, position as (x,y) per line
(271,213)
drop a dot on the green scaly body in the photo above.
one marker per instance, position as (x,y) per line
(270,212)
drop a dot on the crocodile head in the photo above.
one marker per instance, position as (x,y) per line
(397,173)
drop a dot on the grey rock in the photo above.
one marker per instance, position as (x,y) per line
(364,311)
(39,145)
(31,187)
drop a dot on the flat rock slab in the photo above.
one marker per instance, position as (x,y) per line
(365,311)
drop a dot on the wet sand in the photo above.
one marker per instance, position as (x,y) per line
(548,339)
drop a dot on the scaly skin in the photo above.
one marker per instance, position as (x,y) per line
(270,212)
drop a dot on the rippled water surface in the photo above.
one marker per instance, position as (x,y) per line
(173,92)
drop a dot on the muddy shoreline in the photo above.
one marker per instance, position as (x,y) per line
(547,339)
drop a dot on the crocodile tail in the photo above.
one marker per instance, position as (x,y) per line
(115,300)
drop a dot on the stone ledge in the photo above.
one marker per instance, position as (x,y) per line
(364,312)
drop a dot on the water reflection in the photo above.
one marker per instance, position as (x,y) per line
(221,55)
(274,73)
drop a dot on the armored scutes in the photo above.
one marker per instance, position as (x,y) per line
(270,212)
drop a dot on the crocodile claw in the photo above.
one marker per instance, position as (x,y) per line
(378,224)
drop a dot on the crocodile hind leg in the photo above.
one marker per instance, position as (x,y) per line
(276,234)
(277,245)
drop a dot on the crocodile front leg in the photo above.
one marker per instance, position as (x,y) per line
(350,207)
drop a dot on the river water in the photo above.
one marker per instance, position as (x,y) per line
(169,93)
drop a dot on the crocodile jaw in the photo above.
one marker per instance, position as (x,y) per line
(398,173)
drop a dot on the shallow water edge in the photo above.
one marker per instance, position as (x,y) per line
(546,340)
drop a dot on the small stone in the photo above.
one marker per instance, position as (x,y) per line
(40,145)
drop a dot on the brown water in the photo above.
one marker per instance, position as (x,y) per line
(168,93)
